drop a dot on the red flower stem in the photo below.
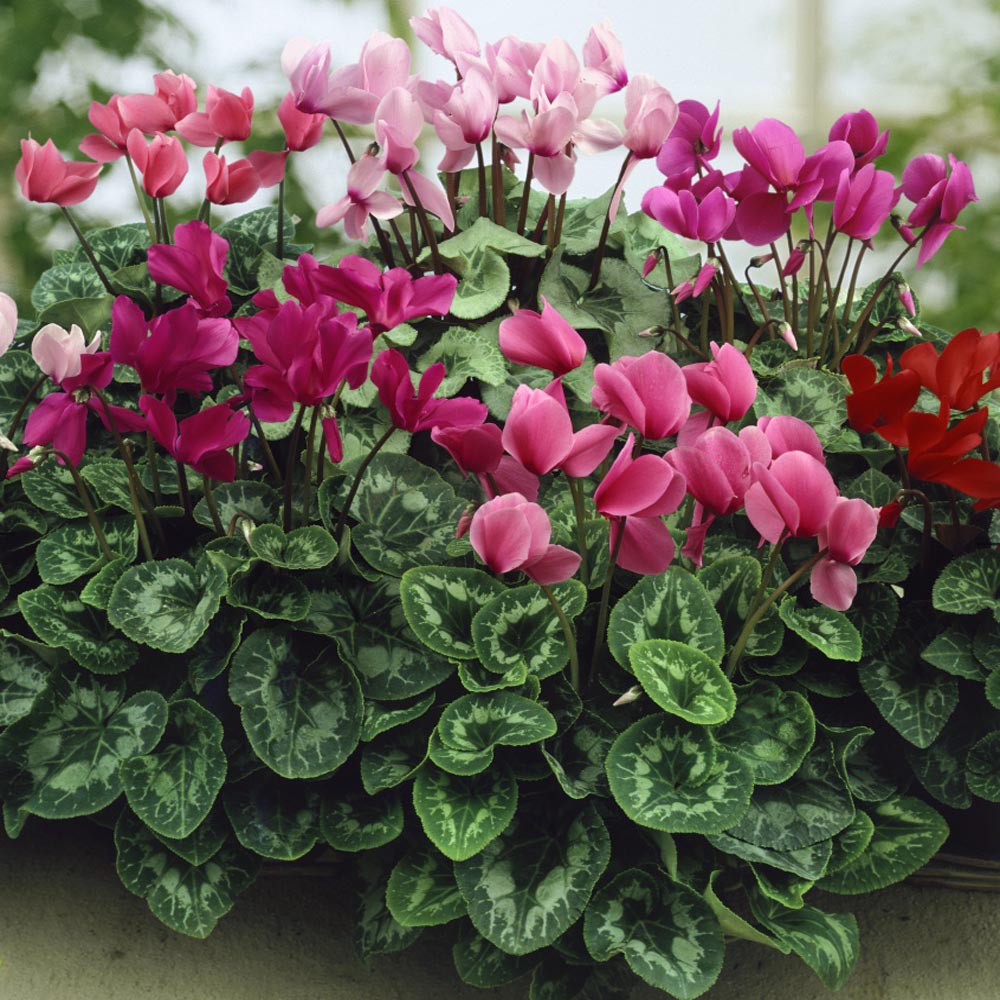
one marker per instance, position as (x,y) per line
(358,476)
(182,486)
(522,215)
(279,242)
(496,183)
(425,224)
(481,165)
(25,403)
(88,251)
(595,272)
(154,471)
(748,626)
(574,659)
(678,326)
(600,639)
(783,283)
(293,448)
(310,459)
(795,287)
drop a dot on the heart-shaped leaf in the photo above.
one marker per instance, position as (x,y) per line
(422,891)
(683,681)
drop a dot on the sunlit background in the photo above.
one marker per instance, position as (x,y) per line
(803,61)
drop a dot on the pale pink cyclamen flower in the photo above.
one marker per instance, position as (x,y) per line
(512,61)
(543,339)
(8,322)
(445,33)
(466,118)
(546,135)
(308,70)
(650,114)
(510,533)
(604,59)
(851,528)
(58,352)
(363,199)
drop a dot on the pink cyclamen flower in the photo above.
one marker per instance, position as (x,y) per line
(650,113)
(851,528)
(8,322)
(543,339)
(939,192)
(236,182)
(44,176)
(511,533)
(416,410)
(649,393)
(227,117)
(174,98)
(694,287)
(633,495)
(794,496)
(302,129)
(784,433)
(353,92)
(58,352)
(726,386)
(547,135)
(194,264)
(201,441)
(864,201)
(387,298)
(860,131)
(539,433)
(108,143)
(161,162)
(466,118)
(682,213)
(363,199)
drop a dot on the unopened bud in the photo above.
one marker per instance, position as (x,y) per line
(761,260)
(908,326)
(6,443)
(465,521)
(794,263)
(788,335)
(650,264)
(906,297)
(634,693)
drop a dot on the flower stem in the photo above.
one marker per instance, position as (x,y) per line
(88,251)
(425,224)
(576,491)
(362,468)
(602,615)
(279,242)
(213,508)
(574,659)
(141,196)
(595,273)
(310,459)
(293,447)
(84,493)
(522,215)
(496,183)
(25,403)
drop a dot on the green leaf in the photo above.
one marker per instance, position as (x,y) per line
(62,758)
(97,590)
(916,700)
(109,478)
(357,822)
(209,657)
(807,862)
(17,376)
(733,925)
(667,933)
(519,626)
(256,502)
(578,757)
(731,584)
(952,651)
(388,761)
(174,789)
(59,618)
(269,593)
(908,833)
(992,688)
(831,632)
(484,286)
(167,604)
(377,931)
(983,767)
(440,603)
(390,661)
(381,718)
(673,605)
(463,762)
(23,677)
(812,394)
(466,354)
(274,818)
(851,842)
(670,776)
(187,898)
(422,891)
(203,843)
(480,963)
(77,280)
(771,731)
(300,706)
(72,551)
(531,884)
(683,681)
(826,942)
(483,234)
(50,486)
(462,814)
(311,547)
(478,722)
(969,584)
(811,806)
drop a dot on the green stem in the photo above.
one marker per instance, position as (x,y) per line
(496,169)
(782,283)
(154,470)
(522,216)
(481,164)
(141,196)
(88,251)
(84,494)
(279,243)
(293,448)
(748,626)
(25,403)
(602,615)
(425,224)
(576,491)
(182,487)
(213,509)
(310,459)
(362,468)
(574,659)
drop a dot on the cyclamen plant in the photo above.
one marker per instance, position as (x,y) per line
(661,623)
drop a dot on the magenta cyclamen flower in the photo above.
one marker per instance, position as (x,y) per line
(682,213)
(388,298)
(510,533)
(693,142)
(864,201)
(194,265)
(173,351)
(726,386)
(939,195)
(860,131)
(416,410)
(649,393)
(543,339)
(201,441)
(850,530)
(539,434)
